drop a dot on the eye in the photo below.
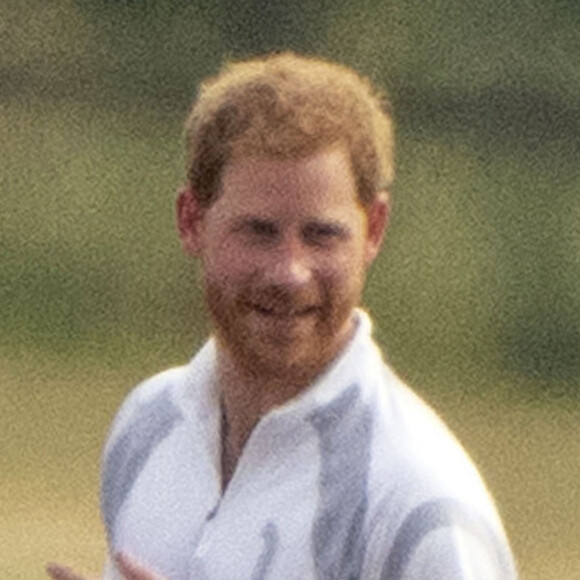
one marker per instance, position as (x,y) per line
(258,230)
(262,228)
(323,233)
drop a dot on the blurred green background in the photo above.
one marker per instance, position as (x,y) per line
(476,296)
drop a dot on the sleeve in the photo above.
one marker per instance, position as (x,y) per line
(452,553)
(441,539)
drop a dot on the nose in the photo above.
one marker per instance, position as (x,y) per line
(290,264)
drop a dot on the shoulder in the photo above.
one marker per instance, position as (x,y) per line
(148,401)
(146,418)
(429,503)
(414,442)
(158,404)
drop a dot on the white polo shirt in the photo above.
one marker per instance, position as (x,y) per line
(356,478)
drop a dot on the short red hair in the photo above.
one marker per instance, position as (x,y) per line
(285,106)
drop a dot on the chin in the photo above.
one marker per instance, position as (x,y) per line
(276,361)
(266,347)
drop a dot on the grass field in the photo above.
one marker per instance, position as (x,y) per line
(55,416)
(476,295)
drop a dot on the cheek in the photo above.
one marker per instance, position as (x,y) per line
(343,277)
(345,265)
(228,261)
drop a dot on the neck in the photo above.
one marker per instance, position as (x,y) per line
(248,392)
(247,397)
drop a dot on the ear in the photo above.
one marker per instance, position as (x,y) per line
(189,220)
(378,215)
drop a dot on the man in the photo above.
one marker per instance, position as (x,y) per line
(287,448)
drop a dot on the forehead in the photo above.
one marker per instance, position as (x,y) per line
(322,182)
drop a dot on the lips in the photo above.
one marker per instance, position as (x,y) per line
(283,312)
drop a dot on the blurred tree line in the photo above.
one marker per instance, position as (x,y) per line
(482,266)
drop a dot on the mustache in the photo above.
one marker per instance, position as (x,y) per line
(278,299)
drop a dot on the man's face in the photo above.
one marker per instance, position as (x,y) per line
(284,251)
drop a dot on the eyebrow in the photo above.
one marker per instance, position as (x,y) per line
(243,221)
(335,226)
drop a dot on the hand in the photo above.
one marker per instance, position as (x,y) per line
(129,569)
(60,572)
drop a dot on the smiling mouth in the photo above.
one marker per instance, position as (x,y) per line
(284,313)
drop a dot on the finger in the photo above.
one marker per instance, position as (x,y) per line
(132,570)
(60,572)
